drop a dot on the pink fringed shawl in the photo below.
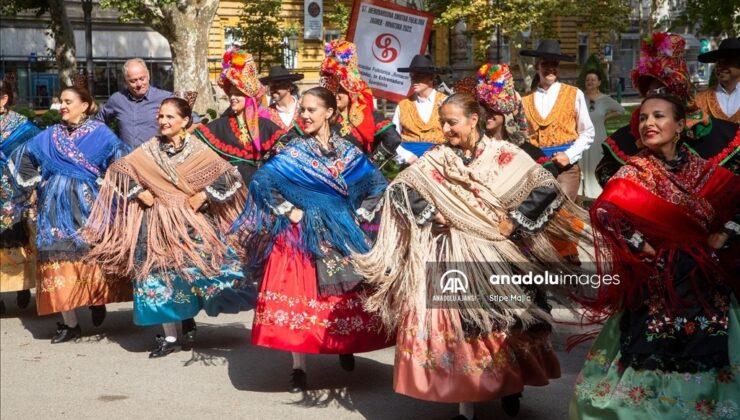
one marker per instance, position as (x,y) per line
(177,237)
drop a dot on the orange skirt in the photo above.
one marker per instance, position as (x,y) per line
(17,269)
(443,367)
(66,285)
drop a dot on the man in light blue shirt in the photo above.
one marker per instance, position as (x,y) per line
(135,108)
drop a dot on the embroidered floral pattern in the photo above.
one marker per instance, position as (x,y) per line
(67,144)
(343,317)
(603,382)
(9,122)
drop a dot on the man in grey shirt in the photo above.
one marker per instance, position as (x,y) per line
(135,108)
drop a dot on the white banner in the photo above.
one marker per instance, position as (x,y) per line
(388,37)
(313,19)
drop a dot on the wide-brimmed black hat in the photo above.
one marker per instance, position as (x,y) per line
(280,74)
(550,49)
(420,64)
(729,47)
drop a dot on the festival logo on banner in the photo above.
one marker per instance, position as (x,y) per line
(388,36)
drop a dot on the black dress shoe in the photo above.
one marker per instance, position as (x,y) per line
(189,329)
(164,347)
(65,333)
(98,314)
(510,404)
(347,362)
(23,298)
(297,381)
(462,417)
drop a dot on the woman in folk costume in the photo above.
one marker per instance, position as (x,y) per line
(667,225)
(18,270)
(662,68)
(505,119)
(64,165)
(244,135)
(301,223)
(358,121)
(160,218)
(484,207)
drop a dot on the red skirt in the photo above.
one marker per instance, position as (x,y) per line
(291,316)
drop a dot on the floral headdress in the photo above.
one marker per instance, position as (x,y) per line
(662,57)
(340,69)
(495,91)
(240,71)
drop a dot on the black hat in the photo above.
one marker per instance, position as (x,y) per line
(729,47)
(280,74)
(550,49)
(420,64)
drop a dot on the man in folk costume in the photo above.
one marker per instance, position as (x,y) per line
(284,106)
(358,121)
(417,117)
(244,135)
(558,116)
(723,102)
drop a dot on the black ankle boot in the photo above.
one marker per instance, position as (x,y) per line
(2,307)
(189,329)
(98,314)
(164,347)
(510,404)
(65,333)
(23,298)
(297,381)
(347,362)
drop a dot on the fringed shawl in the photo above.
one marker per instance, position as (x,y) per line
(328,188)
(472,199)
(177,237)
(675,212)
(66,168)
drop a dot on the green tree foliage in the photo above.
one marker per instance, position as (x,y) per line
(714,17)
(264,32)
(338,15)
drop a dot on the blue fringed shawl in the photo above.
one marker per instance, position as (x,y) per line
(329,189)
(69,167)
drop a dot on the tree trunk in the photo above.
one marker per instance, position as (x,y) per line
(186,27)
(64,42)
(87,9)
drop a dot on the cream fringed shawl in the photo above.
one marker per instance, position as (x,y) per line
(171,224)
(472,199)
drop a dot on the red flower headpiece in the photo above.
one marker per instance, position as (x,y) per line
(240,71)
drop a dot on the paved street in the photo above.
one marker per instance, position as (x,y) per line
(108,374)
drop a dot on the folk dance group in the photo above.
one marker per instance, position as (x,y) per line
(283,209)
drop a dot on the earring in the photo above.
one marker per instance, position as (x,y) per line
(676,138)
(183,133)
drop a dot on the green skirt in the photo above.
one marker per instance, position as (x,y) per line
(606,390)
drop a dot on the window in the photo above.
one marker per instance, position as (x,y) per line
(290,52)
(232,35)
(582,48)
(331,34)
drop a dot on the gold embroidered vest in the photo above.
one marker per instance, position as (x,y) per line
(707,102)
(413,129)
(560,126)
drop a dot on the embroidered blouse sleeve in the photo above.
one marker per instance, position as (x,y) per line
(622,229)
(225,187)
(422,210)
(373,201)
(24,170)
(536,210)
(387,140)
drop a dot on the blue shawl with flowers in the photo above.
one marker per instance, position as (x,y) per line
(328,187)
(66,169)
